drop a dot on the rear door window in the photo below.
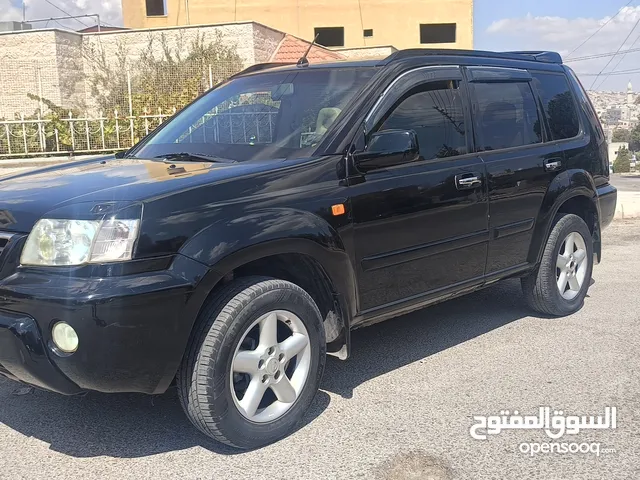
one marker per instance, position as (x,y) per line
(559,106)
(506,116)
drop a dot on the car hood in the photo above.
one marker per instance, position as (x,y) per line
(27,197)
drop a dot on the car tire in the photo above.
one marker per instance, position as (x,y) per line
(543,289)
(235,326)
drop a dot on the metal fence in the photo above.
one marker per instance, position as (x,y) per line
(38,137)
(49,108)
(26,137)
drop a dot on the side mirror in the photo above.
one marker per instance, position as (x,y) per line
(388,148)
(121,154)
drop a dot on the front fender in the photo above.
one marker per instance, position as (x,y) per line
(566,185)
(231,243)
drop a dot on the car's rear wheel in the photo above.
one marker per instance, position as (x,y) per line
(254,363)
(560,284)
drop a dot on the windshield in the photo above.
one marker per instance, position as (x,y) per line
(268,115)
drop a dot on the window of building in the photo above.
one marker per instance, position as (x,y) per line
(367,32)
(330,36)
(435,112)
(156,8)
(437,33)
(559,107)
(507,116)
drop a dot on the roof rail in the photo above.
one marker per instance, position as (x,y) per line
(546,57)
(541,56)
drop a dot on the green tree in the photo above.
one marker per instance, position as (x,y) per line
(164,75)
(634,139)
(622,162)
(621,135)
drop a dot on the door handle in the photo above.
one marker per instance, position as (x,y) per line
(464,182)
(552,165)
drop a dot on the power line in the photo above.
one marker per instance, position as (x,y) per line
(66,13)
(621,72)
(619,48)
(598,30)
(602,55)
(361,22)
(617,64)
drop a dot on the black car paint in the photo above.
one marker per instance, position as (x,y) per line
(134,319)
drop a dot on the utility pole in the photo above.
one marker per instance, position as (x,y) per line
(186,7)
(24,14)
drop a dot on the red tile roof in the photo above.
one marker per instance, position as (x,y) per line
(292,48)
(103,28)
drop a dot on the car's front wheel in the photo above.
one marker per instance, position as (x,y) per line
(254,363)
(560,284)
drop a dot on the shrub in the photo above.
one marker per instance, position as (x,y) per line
(622,163)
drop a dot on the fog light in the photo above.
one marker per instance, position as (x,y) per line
(65,337)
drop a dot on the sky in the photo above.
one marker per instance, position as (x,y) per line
(562,26)
(559,25)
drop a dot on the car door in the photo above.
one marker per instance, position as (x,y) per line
(420,227)
(511,138)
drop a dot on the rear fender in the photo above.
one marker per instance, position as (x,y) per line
(566,185)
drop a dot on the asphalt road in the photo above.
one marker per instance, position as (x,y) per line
(401,407)
(626,183)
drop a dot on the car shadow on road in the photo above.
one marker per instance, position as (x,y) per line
(384,347)
(115,425)
(133,425)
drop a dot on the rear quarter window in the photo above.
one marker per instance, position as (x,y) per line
(586,104)
(558,104)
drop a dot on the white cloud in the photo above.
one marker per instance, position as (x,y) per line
(110,11)
(565,34)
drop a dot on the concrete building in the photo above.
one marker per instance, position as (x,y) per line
(14,26)
(616,109)
(338,23)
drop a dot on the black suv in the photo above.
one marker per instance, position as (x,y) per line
(245,238)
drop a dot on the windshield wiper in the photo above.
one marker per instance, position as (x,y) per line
(195,157)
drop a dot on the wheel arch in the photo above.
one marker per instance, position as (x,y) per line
(294,245)
(572,191)
(326,276)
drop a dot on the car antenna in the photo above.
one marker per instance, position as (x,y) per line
(303,62)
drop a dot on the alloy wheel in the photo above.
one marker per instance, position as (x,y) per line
(571,266)
(270,366)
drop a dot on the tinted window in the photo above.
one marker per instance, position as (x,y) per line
(330,36)
(507,116)
(434,111)
(437,33)
(587,106)
(558,103)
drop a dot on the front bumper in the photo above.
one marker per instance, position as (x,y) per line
(23,355)
(133,329)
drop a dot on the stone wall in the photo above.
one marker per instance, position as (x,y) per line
(28,65)
(57,63)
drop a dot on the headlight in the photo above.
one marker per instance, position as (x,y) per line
(75,242)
